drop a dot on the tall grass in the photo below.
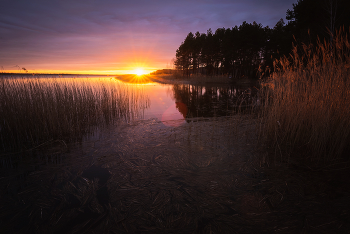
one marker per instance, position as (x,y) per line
(306,109)
(34,110)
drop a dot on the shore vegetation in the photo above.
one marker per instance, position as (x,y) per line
(306,102)
(36,110)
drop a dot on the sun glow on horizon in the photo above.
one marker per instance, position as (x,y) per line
(139,71)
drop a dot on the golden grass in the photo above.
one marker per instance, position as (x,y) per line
(306,102)
(36,110)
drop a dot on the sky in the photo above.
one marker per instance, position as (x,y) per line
(115,36)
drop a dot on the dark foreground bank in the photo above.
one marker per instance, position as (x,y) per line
(207,176)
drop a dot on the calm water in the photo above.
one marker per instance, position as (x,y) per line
(169,102)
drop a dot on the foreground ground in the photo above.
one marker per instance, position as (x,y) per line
(204,176)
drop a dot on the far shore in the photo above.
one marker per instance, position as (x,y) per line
(51,74)
(147,78)
(197,80)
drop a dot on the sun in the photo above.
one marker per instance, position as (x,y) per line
(139,71)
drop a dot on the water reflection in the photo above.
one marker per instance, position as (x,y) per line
(135,79)
(175,115)
(210,101)
(175,102)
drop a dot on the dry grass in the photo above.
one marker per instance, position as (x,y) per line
(34,110)
(306,102)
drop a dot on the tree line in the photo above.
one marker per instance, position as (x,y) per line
(249,49)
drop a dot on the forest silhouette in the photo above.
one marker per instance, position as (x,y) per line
(250,49)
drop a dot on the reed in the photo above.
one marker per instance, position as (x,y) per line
(36,110)
(306,102)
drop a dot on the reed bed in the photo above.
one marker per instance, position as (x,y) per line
(36,110)
(306,102)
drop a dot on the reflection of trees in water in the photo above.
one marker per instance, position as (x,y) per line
(210,101)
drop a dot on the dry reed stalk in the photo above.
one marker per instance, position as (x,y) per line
(306,102)
(34,110)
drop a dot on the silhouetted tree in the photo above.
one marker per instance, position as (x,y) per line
(184,54)
(313,19)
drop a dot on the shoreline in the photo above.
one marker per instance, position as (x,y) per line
(147,78)
(194,80)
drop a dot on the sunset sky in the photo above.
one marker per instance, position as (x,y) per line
(114,36)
